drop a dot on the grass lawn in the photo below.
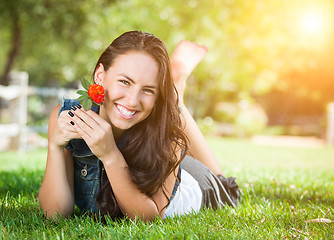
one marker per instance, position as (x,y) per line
(285,191)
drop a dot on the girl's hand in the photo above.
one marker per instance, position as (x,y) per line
(63,131)
(96,132)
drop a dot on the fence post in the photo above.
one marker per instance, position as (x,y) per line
(330,124)
(19,109)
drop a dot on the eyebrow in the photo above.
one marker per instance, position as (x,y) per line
(131,80)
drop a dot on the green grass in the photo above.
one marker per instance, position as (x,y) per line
(282,188)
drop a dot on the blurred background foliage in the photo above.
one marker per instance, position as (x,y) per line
(270,62)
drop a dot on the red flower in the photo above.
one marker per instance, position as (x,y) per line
(96,92)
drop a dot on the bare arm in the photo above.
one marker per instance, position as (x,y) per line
(132,202)
(56,194)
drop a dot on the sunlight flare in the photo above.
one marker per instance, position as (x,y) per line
(313,22)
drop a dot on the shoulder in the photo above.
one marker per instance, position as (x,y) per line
(54,114)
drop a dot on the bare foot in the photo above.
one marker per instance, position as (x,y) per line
(184,59)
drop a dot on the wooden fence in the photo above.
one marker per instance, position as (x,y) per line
(16,94)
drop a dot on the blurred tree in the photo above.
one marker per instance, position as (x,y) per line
(8,11)
(255,47)
(47,37)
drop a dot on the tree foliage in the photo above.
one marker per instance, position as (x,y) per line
(52,40)
(255,48)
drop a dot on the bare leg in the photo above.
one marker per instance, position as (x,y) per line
(184,59)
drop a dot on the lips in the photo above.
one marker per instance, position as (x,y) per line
(125,112)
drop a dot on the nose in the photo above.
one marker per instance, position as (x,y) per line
(133,98)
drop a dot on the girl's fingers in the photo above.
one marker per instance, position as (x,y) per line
(64,122)
(93,119)
(63,131)
(78,126)
(87,121)
(85,117)
(96,117)
(102,123)
(96,135)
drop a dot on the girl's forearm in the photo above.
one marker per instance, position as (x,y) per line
(56,193)
(130,199)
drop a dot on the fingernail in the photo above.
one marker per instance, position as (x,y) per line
(71,122)
(79,106)
(71,114)
(73,108)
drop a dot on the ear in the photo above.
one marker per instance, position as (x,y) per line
(99,74)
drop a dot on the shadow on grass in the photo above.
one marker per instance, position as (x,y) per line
(22,182)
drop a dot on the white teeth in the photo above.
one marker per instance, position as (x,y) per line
(125,112)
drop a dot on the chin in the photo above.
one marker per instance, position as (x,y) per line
(122,125)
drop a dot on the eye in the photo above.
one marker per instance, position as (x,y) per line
(148,91)
(125,82)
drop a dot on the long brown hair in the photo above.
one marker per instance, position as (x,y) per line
(151,150)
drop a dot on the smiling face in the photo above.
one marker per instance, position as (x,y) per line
(131,89)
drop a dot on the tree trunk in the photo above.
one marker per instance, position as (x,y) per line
(16,40)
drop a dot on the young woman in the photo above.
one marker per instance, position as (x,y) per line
(130,157)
